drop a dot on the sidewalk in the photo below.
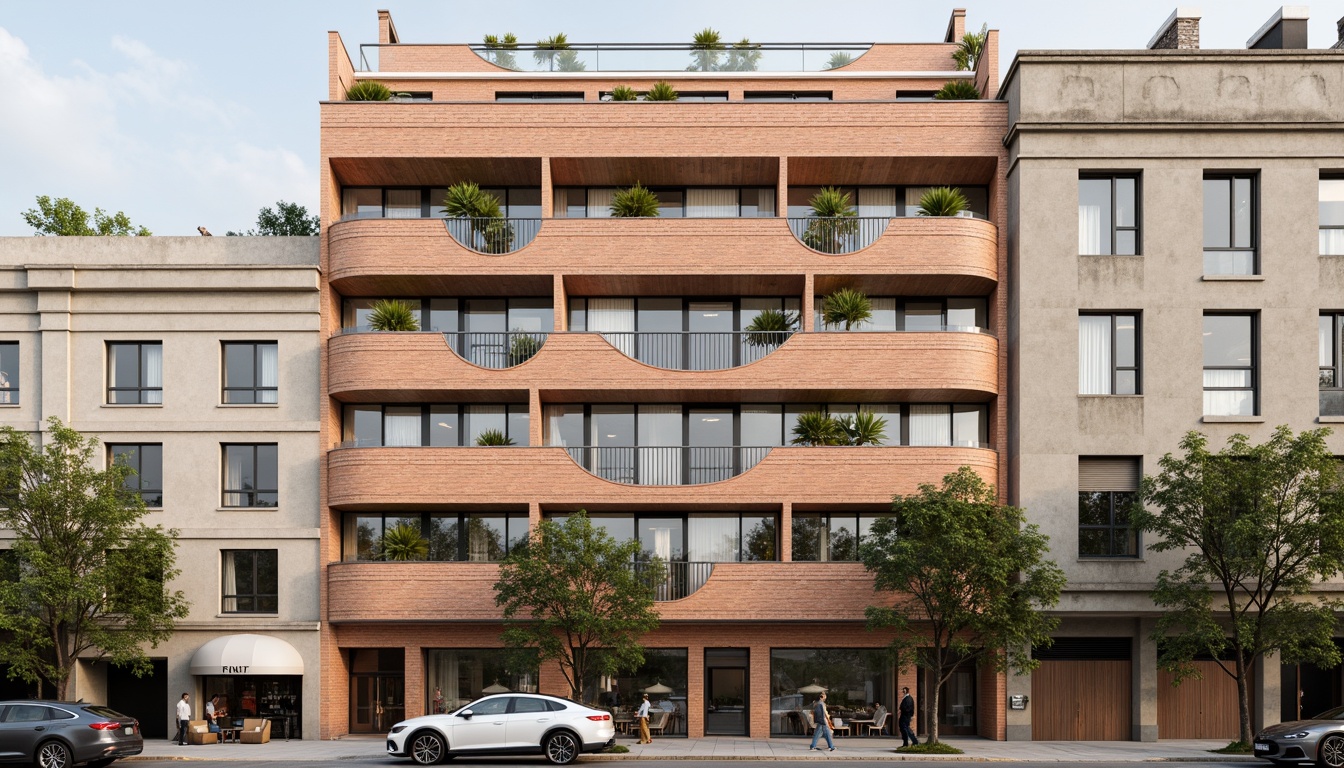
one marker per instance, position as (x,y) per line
(980,750)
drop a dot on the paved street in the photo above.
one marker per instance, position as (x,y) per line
(539,763)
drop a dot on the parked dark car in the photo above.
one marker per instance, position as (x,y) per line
(62,734)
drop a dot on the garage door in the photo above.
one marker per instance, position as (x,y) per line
(1198,709)
(1081,690)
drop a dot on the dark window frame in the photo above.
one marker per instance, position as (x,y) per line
(255,596)
(788,96)
(249,495)
(1137,229)
(1254,366)
(684,189)
(140,389)
(818,301)
(426,425)
(522,97)
(511,518)
(1116,368)
(902,209)
(827,517)
(10,393)
(1327,176)
(1113,527)
(139,453)
(1331,397)
(256,388)
(1231,178)
(427,203)
(636,517)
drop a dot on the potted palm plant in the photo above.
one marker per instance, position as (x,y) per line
(403,542)
(493,437)
(847,307)
(486,222)
(957,90)
(971,47)
(771,328)
(838,60)
(555,53)
(661,91)
(624,93)
(864,428)
(706,51)
(943,201)
(500,50)
(633,203)
(744,56)
(368,90)
(833,221)
(393,315)
(817,428)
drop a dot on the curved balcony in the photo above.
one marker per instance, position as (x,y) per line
(949,256)
(496,351)
(918,366)
(838,234)
(667,464)
(410,478)
(493,235)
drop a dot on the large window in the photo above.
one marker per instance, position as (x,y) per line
(427,202)
(924,313)
(528,314)
(146,460)
(251,372)
(437,425)
(443,536)
(134,372)
(681,333)
(853,678)
(1107,489)
(1331,335)
(698,537)
(831,536)
(251,475)
(1108,354)
(1230,369)
(1108,215)
(455,678)
(673,202)
(250,581)
(887,201)
(1332,216)
(9,373)
(663,676)
(1230,225)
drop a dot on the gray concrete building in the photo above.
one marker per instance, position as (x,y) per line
(1177,263)
(197,360)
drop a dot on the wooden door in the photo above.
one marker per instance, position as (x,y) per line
(1198,709)
(1081,700)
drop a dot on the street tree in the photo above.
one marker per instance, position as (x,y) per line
(286,220)
(968,581)
(576,596)
(62,218)
(1260,526)
(85,577)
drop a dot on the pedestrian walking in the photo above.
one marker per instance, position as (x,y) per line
(907,709)
(643,716)
(822,717)
(183,719)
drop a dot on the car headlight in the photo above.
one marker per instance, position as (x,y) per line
(1298,735)
(398,728)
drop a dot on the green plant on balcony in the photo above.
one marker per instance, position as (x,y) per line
(555,53)
(493,437)
(466,200)
(523,347)
(403,542)
(624,93)
(368,90)
(771,328)
(706,51)
(943,201)
(744,56)
(971,47)
(838,60)
(847,307)
(393,315)
(661,91)
(500,50)
(633,203)
(864,428)
(818,428)
(957,90)
(833,221)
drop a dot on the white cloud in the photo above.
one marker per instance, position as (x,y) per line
(144,136)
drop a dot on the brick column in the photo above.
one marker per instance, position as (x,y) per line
(786,532)
(560,303)
(758,691)
(695,691)
(533,515)
(782,193)
(415,681)
(534,431)
(547,191)
(809,289)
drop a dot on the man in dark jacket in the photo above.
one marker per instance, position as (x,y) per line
(907,710)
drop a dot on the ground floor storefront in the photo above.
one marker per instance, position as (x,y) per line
(756,680)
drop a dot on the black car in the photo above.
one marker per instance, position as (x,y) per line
(62,734)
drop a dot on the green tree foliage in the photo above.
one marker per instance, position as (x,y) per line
(661,91)
(574,596)
(957,90)
(523,347)
(490,231)
(706,51)
(555,53)
(635,202)
(62,218)
(771,327)
(839,59)
(942,201)
(393,315)
(821,428)
(1260,526)
(286,220)
(847,307)
(744,56)
(971,47)
(500,50)
(967,579)
(833,221)
(368,90)
(87,575)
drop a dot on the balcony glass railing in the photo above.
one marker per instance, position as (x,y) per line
(503,349)
(493,235)
(658,57)
(681,579)
(667,465)
(696,351)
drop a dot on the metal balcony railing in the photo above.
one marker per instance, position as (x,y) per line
(493,236)
(504,349)
(667,465)
(680,580)
(838,234)
(697,351)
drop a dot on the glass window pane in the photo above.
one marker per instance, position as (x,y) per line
(612,425)
(268,467)
(1094,542)
(664,537)
(712,538)
(970,427)
(759,537)
(443,537)
(484,316)
(520,422)
(363,425)
(967,313)
(151,469)
(9,373)
(1094,216)
(578,314)
(524,203)
(125,365)
(799,201)
(923,315)
(1126,383)
(362,203)
(403,203)
(618,527)
(1242,190)
(402,425)
(807,536)
(442,315)
(1227,340)
(1125,208)
(1094,508)
(844,536)
(762,425)
(1126,242)
(564,425)
(242,472)
(1125,340)
(239,365)
(1332,203)
(436,209)
(443,427)
(368,532)
(531,315)
(1224,378)
(480,418)
(1217,209)
(486,537)
(670,203)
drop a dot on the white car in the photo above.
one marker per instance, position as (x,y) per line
(505,724)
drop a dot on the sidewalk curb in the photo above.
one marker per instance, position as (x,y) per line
(773,758)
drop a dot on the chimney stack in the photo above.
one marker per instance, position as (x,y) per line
(1286,29)
(1179,31)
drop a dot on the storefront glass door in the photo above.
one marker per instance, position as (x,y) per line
(726,712)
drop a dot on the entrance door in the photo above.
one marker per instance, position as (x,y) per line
(726,705)
(376,702)
(1082,690)
(141,697)
(956,703)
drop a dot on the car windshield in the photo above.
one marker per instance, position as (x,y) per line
(494,705)
(1331,714)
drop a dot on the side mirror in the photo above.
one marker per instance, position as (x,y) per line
(465,714)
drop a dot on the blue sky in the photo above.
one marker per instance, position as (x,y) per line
(183,113)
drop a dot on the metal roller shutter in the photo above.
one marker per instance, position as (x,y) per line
(1108,473)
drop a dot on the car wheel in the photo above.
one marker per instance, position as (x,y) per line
(562,748)
(1331,753)
(53,754)
(426,749)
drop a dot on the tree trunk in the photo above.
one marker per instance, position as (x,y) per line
(933,706)
(1243,699)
